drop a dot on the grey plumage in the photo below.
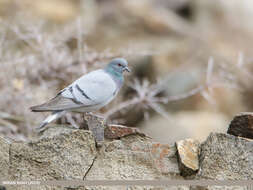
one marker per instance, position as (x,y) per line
(88,93)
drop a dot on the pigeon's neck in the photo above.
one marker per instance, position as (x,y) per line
(116,76)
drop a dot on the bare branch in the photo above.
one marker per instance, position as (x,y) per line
(209,72)
(156,107)
(186,95)
(240,61)
(121,106)
(206,95)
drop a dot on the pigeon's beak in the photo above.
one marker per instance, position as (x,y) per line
(127,69)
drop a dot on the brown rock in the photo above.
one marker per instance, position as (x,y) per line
(242,125)
(2,188)
(117,131)
(188,156)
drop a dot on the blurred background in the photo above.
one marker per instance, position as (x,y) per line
(191,61)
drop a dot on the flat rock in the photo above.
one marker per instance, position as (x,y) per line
(227,157)
(188,156)
(65,154)
(242,125)
(135,157)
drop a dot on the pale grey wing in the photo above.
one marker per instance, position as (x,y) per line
(56,104)
(92,89)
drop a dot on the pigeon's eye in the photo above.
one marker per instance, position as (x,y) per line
(119,65)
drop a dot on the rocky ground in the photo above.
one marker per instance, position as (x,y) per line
(64,153)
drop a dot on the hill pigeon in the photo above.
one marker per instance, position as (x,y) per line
(90,92)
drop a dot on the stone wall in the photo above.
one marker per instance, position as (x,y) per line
(62,153)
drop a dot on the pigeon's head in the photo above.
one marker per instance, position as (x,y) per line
(118,65)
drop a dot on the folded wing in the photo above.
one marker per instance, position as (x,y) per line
(90,90)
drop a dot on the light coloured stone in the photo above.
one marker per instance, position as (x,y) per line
(188,153)
(135,157)
(226,157)
(66,155)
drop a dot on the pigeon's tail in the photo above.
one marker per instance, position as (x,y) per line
(55,115)
(40,108)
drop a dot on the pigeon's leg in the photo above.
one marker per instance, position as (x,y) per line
(96,125)
(84,124)
(84,117)
(71,121)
